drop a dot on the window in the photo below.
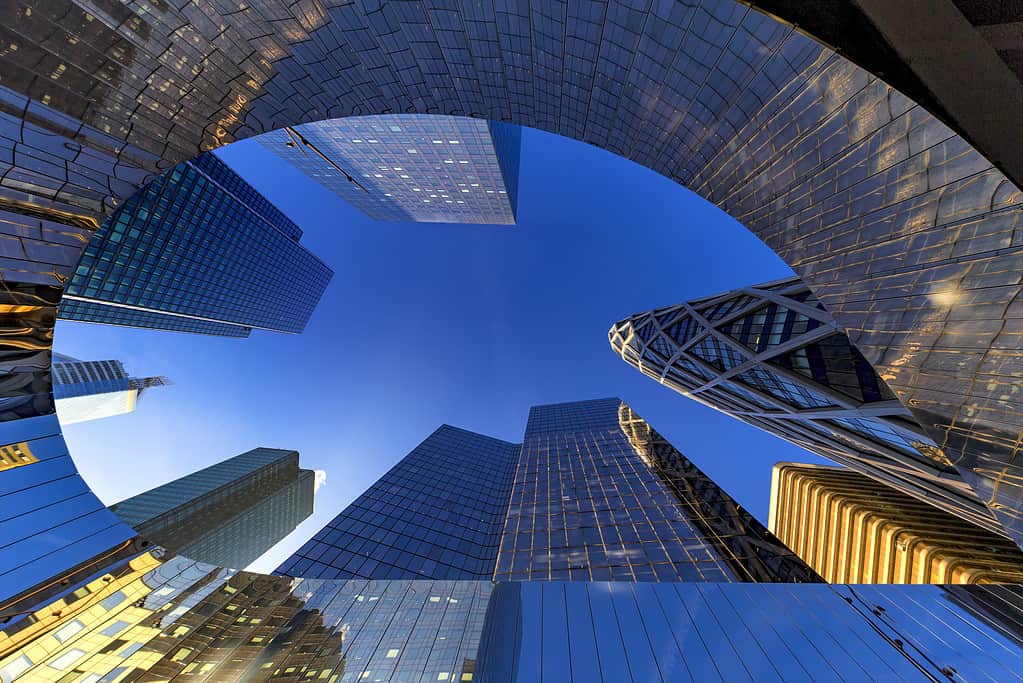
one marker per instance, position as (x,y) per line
(65,632)
(66,660)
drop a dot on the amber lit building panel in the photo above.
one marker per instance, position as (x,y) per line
(852,529)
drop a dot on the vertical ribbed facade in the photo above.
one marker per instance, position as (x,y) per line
(852,529)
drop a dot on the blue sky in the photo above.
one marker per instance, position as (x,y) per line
(425,324)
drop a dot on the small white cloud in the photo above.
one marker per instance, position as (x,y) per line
(319,480)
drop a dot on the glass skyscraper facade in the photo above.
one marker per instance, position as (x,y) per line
(401,167)
(419,521)
(89,390)
(229,513)
(198,250)
(771,356)
(158,617)
(592,493)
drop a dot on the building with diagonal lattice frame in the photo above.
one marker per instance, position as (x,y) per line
(771,356)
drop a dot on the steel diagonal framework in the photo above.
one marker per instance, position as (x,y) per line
(771,356)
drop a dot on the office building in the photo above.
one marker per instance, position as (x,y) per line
(89,390)
(198,250)
(771,356)
(402,167)
(592,493)
(852,529)
(437,514)
(161,617)
(229,513)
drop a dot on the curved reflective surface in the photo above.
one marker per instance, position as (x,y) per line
(904,232)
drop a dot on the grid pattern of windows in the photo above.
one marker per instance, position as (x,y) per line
(436,514)
(81,378)
(186,245)
(98,312)
(169,618)
(645,632)
(220,173)
(779,362)
(73,377)
(433,169)
(592,500)
(229,513)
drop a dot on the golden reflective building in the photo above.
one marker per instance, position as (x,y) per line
(852,529)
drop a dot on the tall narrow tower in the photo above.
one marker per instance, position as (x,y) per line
(229,513)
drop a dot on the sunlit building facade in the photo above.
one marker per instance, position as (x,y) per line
(198,250)
(90,390)
(403,167)
(593,493)
(853,529)
(157,617)
(771,356)
(229,513)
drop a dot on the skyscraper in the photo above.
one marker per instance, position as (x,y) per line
(771,356)
(593,493)
(89,390)
(198,250)
(229,513)
(852,529)
(420,520)
(400,167)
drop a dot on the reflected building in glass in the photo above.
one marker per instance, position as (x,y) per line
(409,167)
(229,513)
(852,529)
(197,250)
(94,389)
(771,356)
(592,493)
(158,617)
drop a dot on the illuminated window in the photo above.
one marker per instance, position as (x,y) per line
(65,632)
(66,660)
